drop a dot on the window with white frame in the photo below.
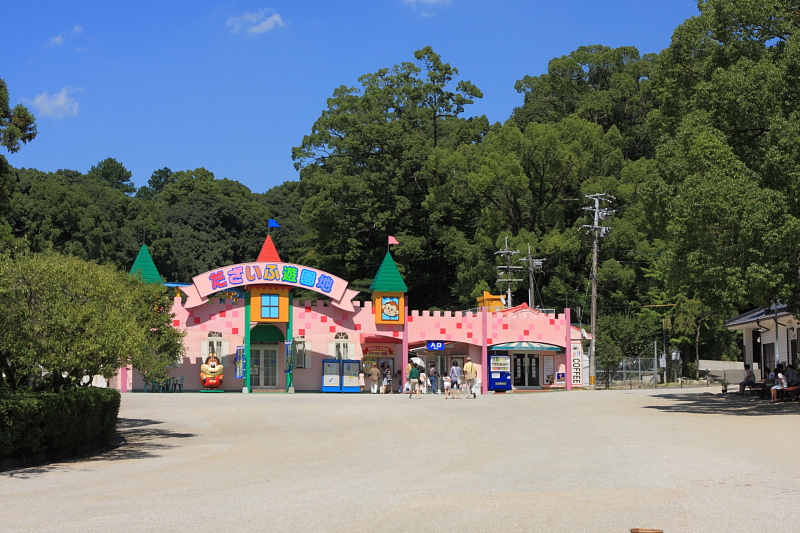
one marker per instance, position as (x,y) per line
(302,352)
(341,347)
(217,347)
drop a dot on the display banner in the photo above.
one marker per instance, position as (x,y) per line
(378,351)
(239,363)
(577,365)
(287,274)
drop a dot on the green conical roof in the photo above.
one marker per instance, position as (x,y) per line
(388,278)
(144,266)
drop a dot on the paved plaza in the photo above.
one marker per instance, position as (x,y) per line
(605,461)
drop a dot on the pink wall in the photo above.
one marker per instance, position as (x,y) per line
(319,324)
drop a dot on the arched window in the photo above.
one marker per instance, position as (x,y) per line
(341,348)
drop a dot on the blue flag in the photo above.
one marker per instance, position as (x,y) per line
(273,224)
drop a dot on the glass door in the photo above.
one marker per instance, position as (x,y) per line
(519,370)
(263,365)
(533,371)
(255,367)
(270,360)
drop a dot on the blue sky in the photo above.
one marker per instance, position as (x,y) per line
(233,86)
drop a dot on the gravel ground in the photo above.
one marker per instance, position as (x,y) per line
(605,461)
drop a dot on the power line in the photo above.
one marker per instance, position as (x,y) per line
(534,265)
(507,271)
(597,231)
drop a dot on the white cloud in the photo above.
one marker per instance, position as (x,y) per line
(266,25)
(255,23)
(77,29)
(59,105)
(427,6)
(58,40)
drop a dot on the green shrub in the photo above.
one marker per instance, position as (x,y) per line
(49,426)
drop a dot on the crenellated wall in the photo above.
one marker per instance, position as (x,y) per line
(319,324)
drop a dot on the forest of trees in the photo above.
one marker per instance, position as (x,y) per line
(699,144)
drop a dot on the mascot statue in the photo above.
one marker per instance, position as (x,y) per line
(211,373)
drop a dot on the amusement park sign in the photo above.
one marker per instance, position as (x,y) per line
(287,274)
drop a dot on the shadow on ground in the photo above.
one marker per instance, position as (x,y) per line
(724,404)
(136,438)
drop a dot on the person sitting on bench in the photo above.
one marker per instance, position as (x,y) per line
(780,383)
(791,376)
(749,378)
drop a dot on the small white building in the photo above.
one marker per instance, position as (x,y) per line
(769,336)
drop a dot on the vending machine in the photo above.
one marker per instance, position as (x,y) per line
(499,372)
(350,370)
(332,375)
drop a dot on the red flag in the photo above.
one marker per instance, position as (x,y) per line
(392,240)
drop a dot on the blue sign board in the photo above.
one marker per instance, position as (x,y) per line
(435,345)
(239,363)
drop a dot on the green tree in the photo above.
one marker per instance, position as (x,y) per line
(203,223)
(728,168)
(65,318)
(17,124)
(363,171)
(114,173)
(158,180)
(621,335)
(70,213)
(606,86)
(284,204)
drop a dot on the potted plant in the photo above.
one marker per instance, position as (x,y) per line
(724,384)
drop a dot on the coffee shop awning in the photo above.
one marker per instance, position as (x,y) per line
(527,347)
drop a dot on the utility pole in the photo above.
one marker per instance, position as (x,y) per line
(534,265)
(507,270)
(598,231)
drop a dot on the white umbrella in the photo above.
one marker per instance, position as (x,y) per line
(417,360)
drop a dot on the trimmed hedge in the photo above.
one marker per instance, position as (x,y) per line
(39,427)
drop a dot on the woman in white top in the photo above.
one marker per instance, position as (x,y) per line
(780,383)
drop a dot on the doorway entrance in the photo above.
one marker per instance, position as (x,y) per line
(526,370)
(263,365)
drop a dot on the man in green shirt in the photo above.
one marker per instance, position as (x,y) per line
(413,376)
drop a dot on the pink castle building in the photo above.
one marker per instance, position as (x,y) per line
(246,316)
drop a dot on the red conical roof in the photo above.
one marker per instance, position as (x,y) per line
(268,253)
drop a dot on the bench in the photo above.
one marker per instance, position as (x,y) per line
(757,388)
(789,393)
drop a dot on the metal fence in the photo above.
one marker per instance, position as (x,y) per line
(633,371)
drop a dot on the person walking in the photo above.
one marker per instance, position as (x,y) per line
(413,376)
(374,378)
(361,381)
(455,380)
(387,380)
(470,374)
(446,385)
(433,377)
(423,379)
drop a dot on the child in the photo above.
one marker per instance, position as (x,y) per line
(423,380)
(446,381)
(387,381)
(361,382)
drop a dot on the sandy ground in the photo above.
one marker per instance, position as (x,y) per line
(606,461)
